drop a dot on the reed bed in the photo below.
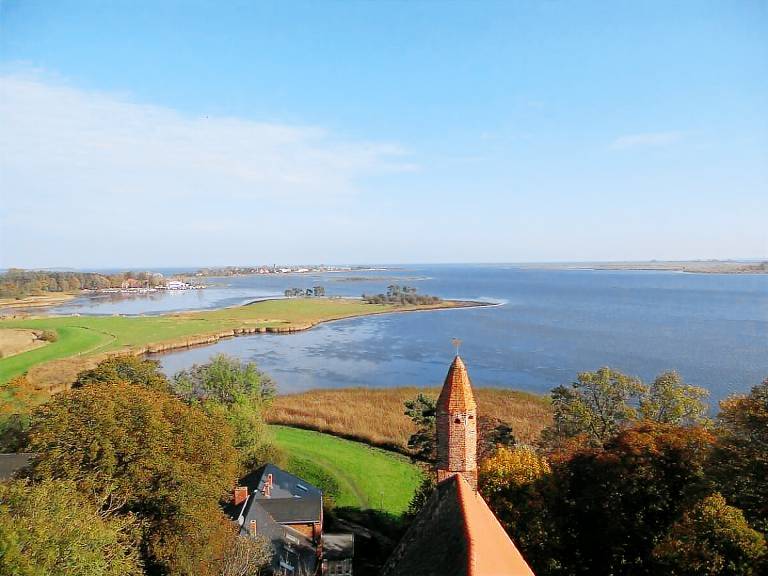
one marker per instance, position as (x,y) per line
(375,415)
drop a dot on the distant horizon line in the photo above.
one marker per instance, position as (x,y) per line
(383,264)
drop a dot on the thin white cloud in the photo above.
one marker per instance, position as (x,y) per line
(78,165)
(55,137)
(645,140)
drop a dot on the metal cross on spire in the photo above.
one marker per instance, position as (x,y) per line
(456,342)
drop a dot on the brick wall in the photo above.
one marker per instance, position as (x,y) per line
(457,445)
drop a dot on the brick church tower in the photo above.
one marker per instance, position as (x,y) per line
(457,426)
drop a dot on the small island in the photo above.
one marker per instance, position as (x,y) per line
(401,296)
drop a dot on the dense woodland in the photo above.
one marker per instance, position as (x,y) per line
(400,296)
(17,283)
(631,478)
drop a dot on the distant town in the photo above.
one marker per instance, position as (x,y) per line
(278,269)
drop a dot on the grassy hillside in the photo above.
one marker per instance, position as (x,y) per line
(354,474)
(85,338)
(375,415)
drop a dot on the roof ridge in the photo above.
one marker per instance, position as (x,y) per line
(462,488)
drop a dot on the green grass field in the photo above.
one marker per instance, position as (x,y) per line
(88,335)
(353,473)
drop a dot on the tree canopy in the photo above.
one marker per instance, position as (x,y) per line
(740,459)
(237,392)
(599,404)
(138,451)
(51,529)
(128,368)
(712,538)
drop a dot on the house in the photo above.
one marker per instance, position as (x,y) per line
(456,533)
(338,553)
(289,512)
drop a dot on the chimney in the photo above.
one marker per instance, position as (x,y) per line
(240,495)
(253,528)
(267,490)
(269,480)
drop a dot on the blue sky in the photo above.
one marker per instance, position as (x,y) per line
(185,133)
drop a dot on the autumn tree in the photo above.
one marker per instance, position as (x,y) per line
(514,482)
(51,529)
(611,505)
(19,395)
(136,451)
(711,539)
(130,369)
(740,459)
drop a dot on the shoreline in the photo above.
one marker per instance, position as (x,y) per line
(207,339)
(38,301)
(57,374)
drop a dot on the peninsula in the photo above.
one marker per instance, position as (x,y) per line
(85,340)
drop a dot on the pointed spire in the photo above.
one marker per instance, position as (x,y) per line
(456,395)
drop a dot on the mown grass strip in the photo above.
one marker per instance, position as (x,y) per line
(366,477)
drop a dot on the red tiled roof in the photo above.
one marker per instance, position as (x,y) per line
(456,534)
(491,551)
(456,395)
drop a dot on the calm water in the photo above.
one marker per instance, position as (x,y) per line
(713,329)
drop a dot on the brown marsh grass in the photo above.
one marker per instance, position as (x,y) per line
(375,415)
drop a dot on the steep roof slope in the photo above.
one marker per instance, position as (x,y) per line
(456,534)
(456,395)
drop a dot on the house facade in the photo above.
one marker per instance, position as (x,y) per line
(288,511)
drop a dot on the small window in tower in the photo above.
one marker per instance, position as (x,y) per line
(471,417)
(457,421)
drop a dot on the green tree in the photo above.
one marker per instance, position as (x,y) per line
(595,406)
(129,369)
(420,497)
(711,539)
(238,392)
(225,380)
(740,459)
(136,451)
(50,529)
(421,410)
(669,400)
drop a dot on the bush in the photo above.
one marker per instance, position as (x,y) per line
(49,336)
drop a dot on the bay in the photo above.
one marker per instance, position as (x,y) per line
(551,324)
